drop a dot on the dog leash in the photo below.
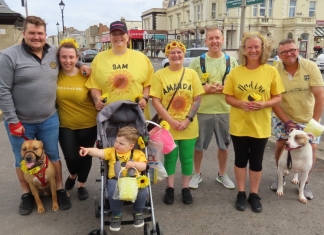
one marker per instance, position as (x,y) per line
(289,161)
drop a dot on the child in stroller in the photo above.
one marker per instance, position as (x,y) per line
(122,154)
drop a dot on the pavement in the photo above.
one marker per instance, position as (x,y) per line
(212,213)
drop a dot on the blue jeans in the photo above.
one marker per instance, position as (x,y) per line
(117,205)
(46,131)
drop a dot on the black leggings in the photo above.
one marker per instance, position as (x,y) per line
(70,142)
(249,149)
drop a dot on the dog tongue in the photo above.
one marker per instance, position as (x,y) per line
(29,165)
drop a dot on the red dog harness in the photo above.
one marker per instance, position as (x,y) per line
(40,175)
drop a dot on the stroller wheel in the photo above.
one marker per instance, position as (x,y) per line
(158,229)
(97,209)
(147,229)
(98,232)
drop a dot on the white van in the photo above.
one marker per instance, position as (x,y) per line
(320,61)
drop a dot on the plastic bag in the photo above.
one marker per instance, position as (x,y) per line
(161,135)
(154,151)
(126,188)
(155,159)
(157,172)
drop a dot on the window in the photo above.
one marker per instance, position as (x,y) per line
(195,13)
(290,35)
(213,10)
(170,22)
(292,8)
(262,9)
(198,13)
(255,10)
(188,16)
(312,5)
(270,8)
(201,11)
(178,17)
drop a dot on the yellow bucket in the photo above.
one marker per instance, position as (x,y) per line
(314,128)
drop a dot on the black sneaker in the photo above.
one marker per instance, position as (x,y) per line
(169,196)
(63,199)
(26,204)
(254,200)
(69,183)
(138,220)
(115,223)
(82,193)
(240,203)
(186,196)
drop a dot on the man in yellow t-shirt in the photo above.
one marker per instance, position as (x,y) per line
(213,113)
(302,100)
(121,72)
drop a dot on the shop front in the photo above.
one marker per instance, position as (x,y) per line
(136,39)
(105,42)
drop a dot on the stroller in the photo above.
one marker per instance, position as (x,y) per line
(110,119)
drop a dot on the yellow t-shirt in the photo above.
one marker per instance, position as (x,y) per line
(110,156)
(123,77)
(213,103)
(75,107)
(163,86)
(242,83)
(298,100)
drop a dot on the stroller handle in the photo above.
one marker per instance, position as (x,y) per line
(148,121)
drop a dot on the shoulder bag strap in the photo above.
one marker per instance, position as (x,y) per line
(176,89)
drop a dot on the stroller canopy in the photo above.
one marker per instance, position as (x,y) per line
(117,115)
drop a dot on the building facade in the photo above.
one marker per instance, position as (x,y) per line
(275,19)
(11,26)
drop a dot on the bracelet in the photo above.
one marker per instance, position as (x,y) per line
(146,99)
(190,118)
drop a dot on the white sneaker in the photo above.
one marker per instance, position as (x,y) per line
(195,180)
(225,181)
(308,192)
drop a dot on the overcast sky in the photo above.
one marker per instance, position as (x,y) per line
(81,14)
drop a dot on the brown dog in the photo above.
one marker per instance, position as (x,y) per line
(39,172)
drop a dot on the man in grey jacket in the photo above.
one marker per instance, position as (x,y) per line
(28,78)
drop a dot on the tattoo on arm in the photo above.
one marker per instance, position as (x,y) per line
(194,107)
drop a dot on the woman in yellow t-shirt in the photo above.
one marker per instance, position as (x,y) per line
(77,117)
(121,72)
(251,89)
(181,115)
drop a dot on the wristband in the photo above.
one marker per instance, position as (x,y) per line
(190,118)
(13,127)
(146,99)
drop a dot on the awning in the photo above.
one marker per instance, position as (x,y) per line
(136,33)
(319,32)
(156,36)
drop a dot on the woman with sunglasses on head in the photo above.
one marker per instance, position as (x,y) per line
(251,89)
(185,87)
(77,115)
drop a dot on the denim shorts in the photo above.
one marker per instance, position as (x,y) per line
(46,131)
(280,132)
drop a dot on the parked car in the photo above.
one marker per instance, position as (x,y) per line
(320,61)
(88,55)
(191,53)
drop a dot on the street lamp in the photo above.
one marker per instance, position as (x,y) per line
(62,5)
(58,33)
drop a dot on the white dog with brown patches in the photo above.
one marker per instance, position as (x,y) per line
(296,157)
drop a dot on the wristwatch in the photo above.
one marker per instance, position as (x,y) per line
(190,118)
(146,99)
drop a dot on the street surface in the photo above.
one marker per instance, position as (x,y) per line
(212,213)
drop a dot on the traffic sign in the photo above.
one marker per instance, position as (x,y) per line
(238,3)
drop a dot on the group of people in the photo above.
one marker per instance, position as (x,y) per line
(214,95)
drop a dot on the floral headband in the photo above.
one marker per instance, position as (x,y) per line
(70,40)
(174,44)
